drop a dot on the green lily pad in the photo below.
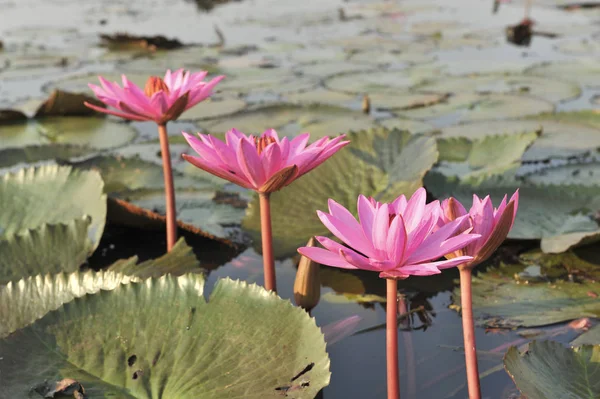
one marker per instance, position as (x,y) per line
(585,174)
(51,194)
(290,120)
(379,163)
(584,71)
(325,69)
(97,133)
(178,261)
(474,107)
(213,109)
(37,153)
(121,174)
(482,158)
(193,207)
(535,294)
(379,81)
(591,337)
(548,89)
(50,248)
(322,96)
(559,224)
(185,347)
(548,370)
(352,298)
(416,127)
(404,101)
(583,117)
(79,83)
(558,140)
(579,47)
(194,58)
(24,301)
(415,54)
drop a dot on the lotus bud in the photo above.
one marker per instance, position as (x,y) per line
(366,104)
(307,287)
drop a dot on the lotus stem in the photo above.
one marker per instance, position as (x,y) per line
(466,304)
(169,189)
(391,335)
(267,242)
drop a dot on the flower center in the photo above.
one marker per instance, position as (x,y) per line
(262,143)
(154,84)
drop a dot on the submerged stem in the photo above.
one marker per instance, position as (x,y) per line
(466,304)
(169,189)
(391,335)
(267,242)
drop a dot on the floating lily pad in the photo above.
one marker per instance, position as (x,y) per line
(380,81)
(51,194)
(24,301)
(548,89)
(185,347)
(406,124)
(79,84)
(213,109)
(122,174)
(591,337)
(481,158)
(559,224)
(323,70)
(193,207)
(322,96)
(404,101)
(97,133)
(501,300)
(312,55)
(37,153)
(378,163)
(558,140)
(585,174)
(50,248)
(579,47)
(548,370)
(412,55)
(434,27)
(584,72)
(287,119)
(178,261)
(473,107)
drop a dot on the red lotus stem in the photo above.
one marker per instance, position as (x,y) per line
(169,189)
(391,335)
(466,304)
(267,242)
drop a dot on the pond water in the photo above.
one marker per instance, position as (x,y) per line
(304,47)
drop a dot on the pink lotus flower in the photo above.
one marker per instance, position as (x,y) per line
(397,239)
(263,164)
(491,224)
(161,101)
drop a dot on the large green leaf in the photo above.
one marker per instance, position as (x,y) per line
(51,194)
(548,370)
(24,301)
(481,158)
(178,261)
(381,163)
(544,289)
(562,216)
(160,338)
(591,337)
(51,248)
(44,288)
